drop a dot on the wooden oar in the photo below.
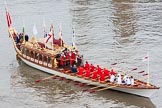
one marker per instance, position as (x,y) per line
(107,88)
(37,81)
(95,87)
(134,69)
(113,63)
(92,91)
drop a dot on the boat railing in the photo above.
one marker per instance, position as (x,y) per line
(24,55)
(28,57)
(40,62)
(45,63)
(36,61)
(32,59)
(50,65)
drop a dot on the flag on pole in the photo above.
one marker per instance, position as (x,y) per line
(60,35)
(44,29)
(145,58)
(52,30)
(8,17)
(23,31)
(48,38)
(35,30)
(141,72)
(73,38)
(145,74)
(60,32)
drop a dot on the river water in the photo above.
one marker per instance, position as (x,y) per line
(107,31)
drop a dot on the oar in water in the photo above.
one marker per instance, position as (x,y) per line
(83,84)
(103,89)
(95,87)
(107,88)
(37,81)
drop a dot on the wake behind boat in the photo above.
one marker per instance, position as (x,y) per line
(55,57)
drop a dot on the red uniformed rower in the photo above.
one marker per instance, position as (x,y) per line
(88,73)
(99,70)
(91,67)
(67,58)
(80,71)
(102,78)
(112,72)
(62,60)
(106,72)
(73,57)
(86,67)
(94,76)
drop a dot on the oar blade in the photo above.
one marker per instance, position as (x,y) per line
(92,91)
(37,81)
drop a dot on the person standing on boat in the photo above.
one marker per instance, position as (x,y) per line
(19,40)
(62,60)
(67,58)
(73,58)
(80,60)
(26,38)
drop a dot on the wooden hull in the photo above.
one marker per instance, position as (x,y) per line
(139,91)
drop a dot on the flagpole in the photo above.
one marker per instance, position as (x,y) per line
(23,31)
(44,31)
(35,32)
(9,21)
(148,69)
(53,35)
(52,42)
(44,28)
(73,36)
(5,5)
(60,34)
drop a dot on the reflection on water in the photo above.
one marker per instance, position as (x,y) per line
(124,21)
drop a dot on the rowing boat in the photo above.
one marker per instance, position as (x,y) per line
(48,58)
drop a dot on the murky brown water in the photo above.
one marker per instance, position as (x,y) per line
(120,31)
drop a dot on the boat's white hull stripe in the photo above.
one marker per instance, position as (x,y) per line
(140,92)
